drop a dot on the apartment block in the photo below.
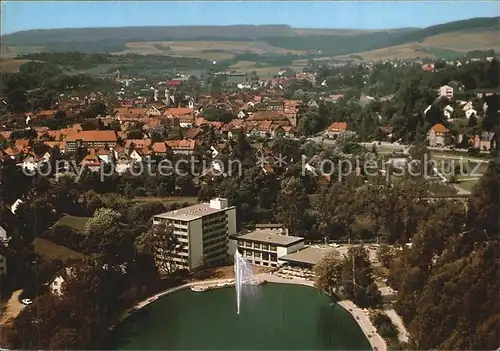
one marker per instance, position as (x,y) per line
(203,231)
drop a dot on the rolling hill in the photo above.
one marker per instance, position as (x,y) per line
(223,42)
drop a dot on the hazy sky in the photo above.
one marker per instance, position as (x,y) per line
(18,15)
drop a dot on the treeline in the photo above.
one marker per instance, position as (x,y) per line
(480,53)
(130,64)
(134,34)
(71,58)
(279,60)
(87,47)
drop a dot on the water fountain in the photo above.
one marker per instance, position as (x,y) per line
(243,275)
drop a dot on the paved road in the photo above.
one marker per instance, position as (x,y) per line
(14,307)
(388,294)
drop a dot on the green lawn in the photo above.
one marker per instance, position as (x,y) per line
(77,223)
(467,184)
(49,250)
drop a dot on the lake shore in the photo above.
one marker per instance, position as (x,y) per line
(376,341)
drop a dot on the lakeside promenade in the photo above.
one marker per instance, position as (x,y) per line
(376,341)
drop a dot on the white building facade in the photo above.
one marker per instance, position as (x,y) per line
(265,247)
(203,231)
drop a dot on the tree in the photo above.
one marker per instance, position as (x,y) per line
(328,272)
(291,205)
(484,204)
(357,278)
(97,108)
(160,243)
(103,219)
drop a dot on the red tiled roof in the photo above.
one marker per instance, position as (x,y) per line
(159,147)
(93,135)
(178,111)
(193,133)
(181,144)
(439,128)
(337,126)
(138,143)
(174,82)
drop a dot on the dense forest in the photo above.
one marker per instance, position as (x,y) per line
(448,281)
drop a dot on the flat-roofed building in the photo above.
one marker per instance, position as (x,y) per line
(203,230)
(265,247)
(307,257)
(274,227)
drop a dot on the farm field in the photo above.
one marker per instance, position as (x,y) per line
(8,65)
(209,50)
(442,45)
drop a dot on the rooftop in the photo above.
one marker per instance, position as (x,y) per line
(310,255)
(270,237)
(191,213)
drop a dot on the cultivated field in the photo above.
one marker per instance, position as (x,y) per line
(8,65)
(442,44)
(209,50)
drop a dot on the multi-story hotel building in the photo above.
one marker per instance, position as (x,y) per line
(203,231)
(265,247)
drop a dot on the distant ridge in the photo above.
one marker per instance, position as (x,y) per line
(284,37)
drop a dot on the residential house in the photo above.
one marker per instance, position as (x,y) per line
(160,149)
(91,161)
(312,104)
(183,146)
(289,131)
(193,133)
(485,141)
(137,143)
(334,98)
(184,115)
(153,111)
(446,91)
(274,105)
(470,112)
(105,155)
(91,139)
(335,129)
(447,111)
(439,136)
(45,114)
(32,162)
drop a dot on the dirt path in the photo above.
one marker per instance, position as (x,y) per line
(14,307)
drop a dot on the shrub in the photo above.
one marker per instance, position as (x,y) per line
(384,326)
